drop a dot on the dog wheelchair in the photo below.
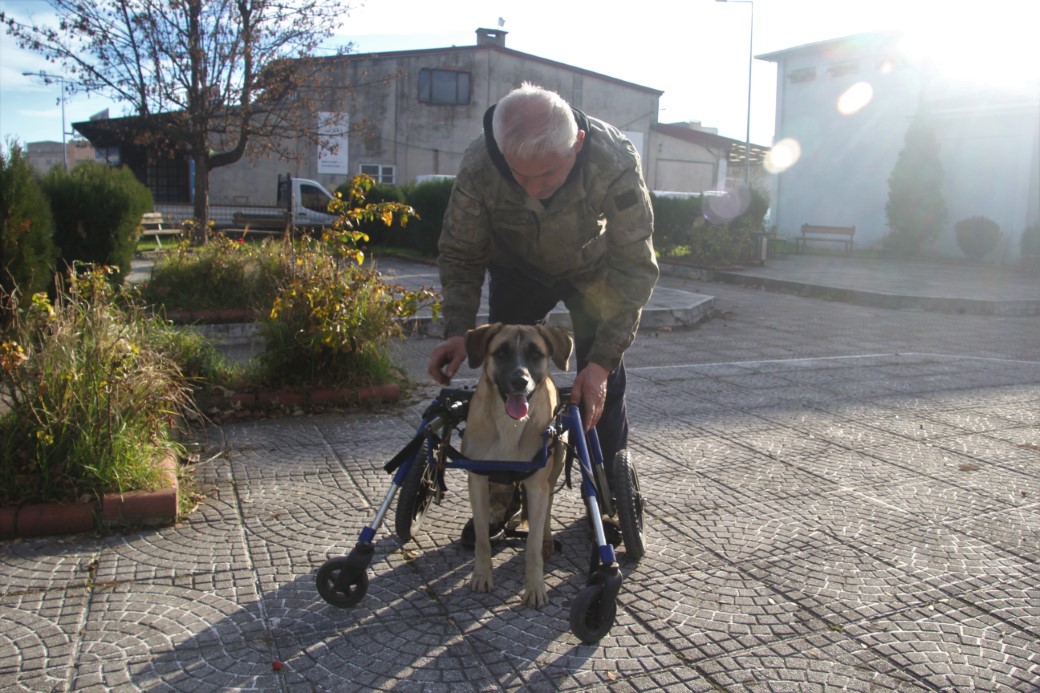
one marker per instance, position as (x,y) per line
(418,471)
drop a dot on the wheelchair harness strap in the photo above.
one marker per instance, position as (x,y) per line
(499,471)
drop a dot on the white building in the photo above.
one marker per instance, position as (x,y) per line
(846,103)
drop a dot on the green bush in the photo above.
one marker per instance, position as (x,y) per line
(332,320)
(1029,243)
(674,220)
(92,400)
(915,210)
(97,212)
(977,236)
(27,250)
(430,201)
(704,231)
(225,273)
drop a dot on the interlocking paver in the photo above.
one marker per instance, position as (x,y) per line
(839,497)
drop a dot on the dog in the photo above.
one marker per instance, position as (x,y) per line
(514,402)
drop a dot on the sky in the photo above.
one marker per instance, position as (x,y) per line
(695,51)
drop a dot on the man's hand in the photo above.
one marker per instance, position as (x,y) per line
(446,358)
(590,388)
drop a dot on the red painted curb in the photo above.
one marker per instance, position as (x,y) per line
(8,515)
(46,519)
(389,392)
(147,507)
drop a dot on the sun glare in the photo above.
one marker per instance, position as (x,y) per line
(855,98)
(997,48)
(783,155)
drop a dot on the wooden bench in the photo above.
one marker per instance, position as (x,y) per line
(152,225)
(833,234)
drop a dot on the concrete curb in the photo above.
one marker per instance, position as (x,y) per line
(157,507)
(877,299)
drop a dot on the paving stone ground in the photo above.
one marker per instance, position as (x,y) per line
(840,497)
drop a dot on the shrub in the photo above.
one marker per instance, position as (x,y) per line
(915,209)
(27,251)
(724,230)
(97,211)
(430,201)
(977,236)
(92,400)
(1029,243)
(332,321)
(674,220)
(225,273)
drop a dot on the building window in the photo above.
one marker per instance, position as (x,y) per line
(849,67)
(380,173)
(168,180)
(443,87)
(806,74)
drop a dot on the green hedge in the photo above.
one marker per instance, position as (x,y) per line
(682,228)
(97,211)
(702,231)
(27,251)
(430,201)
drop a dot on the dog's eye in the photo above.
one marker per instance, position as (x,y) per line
(504,351)
(534,353)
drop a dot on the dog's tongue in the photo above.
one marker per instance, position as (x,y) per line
(516,405)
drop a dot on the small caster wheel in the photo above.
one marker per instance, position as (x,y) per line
(591,618)
(338,587)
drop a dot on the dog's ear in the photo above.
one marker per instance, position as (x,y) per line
(561,344)
(477,340)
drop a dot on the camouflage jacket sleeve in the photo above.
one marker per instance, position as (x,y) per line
(631,268)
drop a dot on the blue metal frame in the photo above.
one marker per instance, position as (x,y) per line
(440,413)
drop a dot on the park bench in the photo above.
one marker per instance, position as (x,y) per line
(834,234)
(152,225)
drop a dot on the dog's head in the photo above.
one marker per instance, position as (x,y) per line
(516,358)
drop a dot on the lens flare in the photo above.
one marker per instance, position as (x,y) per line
(783,155)
(722,209)
(855,98)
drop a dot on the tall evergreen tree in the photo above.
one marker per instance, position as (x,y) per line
(916,210)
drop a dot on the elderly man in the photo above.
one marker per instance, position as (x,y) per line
(551,203)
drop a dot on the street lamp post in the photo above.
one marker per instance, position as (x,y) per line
(750,58)
(61,83)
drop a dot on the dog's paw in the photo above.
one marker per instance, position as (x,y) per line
(535,596)
(481,582)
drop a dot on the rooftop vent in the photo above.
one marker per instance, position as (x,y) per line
(491,37)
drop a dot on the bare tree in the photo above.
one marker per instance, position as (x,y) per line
(216,78)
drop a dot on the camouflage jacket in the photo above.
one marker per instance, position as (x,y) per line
(595,232)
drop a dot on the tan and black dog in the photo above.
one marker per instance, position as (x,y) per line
(514,401)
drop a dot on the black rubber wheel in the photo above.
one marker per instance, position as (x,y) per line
(587,621)
(625,485)
(343,596)
(418,491)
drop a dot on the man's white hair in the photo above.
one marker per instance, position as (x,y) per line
(531,122)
